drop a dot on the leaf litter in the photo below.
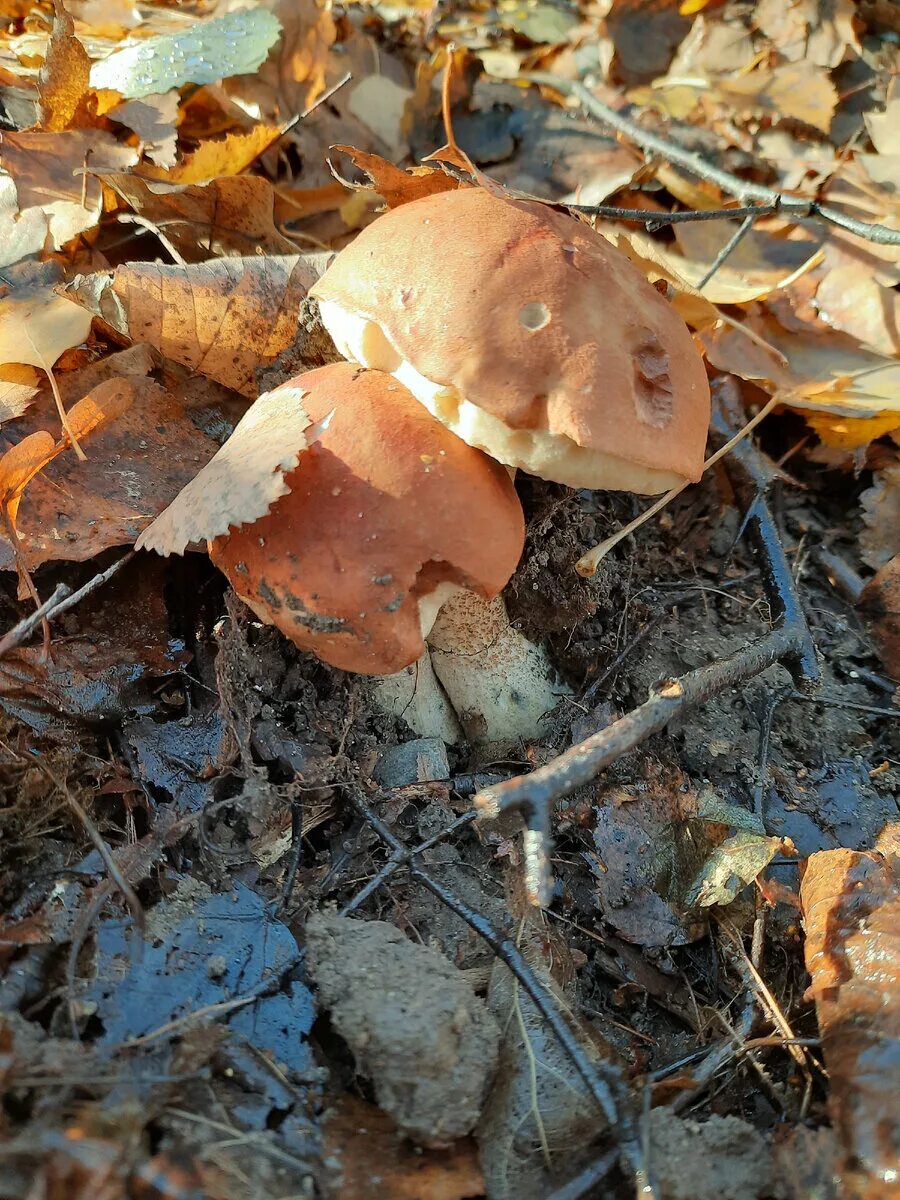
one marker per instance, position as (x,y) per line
(166,202)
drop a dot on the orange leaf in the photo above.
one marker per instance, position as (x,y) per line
(64,80)
(393,184)
(22,462)
(105,402)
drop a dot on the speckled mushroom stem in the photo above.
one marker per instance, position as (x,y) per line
(501,685)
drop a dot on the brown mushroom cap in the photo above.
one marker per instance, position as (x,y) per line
(384,508)
(528,335)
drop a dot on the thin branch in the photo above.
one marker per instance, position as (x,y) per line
(795,207)
(729,248)
(26,627)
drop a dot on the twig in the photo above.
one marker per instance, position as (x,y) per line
(654,220)
(607,1092)
(795,207)
(589,1178)
(591,559)
(26,627)
(730,246)
(91,586)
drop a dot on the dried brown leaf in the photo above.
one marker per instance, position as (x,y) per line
(294,75)
(223,318)
(851,906)
(367,1157)
(64,81)
(231,216)
(243,480)
(395,185)
(800,91)
(880,540)
(142,450)
(21,463)
(818,30)
(880,604)
(154,119)
(645,34)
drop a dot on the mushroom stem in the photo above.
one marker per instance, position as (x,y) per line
(415,695)
(500,684)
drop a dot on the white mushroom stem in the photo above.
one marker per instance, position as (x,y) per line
(500,684)
(415,695)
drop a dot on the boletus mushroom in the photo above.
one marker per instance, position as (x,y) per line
(532,338)
(528,335)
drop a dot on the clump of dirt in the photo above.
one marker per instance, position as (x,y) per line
(413,1022)
(723,1158)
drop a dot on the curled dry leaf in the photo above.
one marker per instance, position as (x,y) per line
(851,905)
(224,318)
(808,29)
(242,481)
(393,184)
(880,540)
(64,82)
(226,217)
(797,91)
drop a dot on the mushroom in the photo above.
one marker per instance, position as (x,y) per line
(387,515)
(530,337)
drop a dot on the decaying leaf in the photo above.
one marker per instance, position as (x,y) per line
(142,450)
(880,604)
(880,540)
(223,318)
(231,216)
(242,481)
(851,906)
(204,52)
(731,866)
(820,31)
(64,81)
(393,184)
(154,120)
(539,1122)
(370,1158)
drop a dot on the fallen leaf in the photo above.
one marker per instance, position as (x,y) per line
(818,30)
(205,52)
(244,478)
(20,463)
(231,216)
(64,80)
(108,17)
(807,370)
(379,104)
(294,75)
(880,605)
(394,185)
(18,387)
(543,24)
(154,119)
(142,450)
(799,91)
(730,867)
(884,127)
(219,156)
(37,326)
(224,318)
(645,34)
(49,198)
(851,906)
(880,540)
(713,48)
(368,1158)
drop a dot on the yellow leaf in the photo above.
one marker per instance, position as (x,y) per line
(848,433)
(224,156)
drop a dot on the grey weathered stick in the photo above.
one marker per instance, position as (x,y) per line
(795,207)
(26,627)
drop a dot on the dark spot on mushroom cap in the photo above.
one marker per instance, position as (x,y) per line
(653,393)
